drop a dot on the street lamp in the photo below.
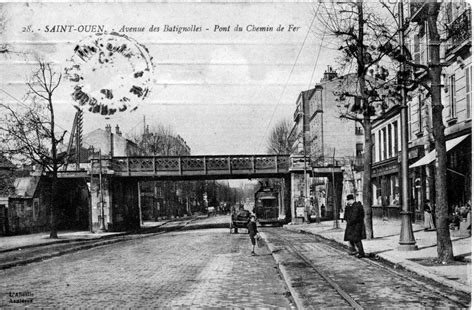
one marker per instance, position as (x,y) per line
(101,193)
(407,240)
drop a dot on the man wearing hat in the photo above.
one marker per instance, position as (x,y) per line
(355,228)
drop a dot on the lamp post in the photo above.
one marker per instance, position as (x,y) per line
(407,240)
(101,193)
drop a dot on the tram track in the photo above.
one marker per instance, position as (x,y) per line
(435,287)
(341,280)
(332,283)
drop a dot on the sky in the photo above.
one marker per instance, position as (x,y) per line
(222,91)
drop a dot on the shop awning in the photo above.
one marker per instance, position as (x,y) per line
(431,156)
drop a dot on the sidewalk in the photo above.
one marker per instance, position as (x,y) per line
(10,243)
(387,235)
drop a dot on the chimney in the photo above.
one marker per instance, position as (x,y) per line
(329,74)
(108,128)
(117,131)
(111,140)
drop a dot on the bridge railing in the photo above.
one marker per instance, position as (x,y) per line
(201,164)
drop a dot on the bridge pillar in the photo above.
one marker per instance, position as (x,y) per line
(121,209)
(286,199)
(96,196)
(297,198)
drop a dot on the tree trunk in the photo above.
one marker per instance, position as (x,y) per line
(361,74)
(444,245)
(366,187)
(54,179)
(53,206)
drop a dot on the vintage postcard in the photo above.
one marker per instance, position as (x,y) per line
(270,154)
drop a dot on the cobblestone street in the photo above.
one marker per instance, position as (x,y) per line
(365,282)
(213,268)
(194,268)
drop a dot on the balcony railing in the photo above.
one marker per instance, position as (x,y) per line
(459,30)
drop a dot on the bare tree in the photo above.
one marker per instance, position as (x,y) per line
(367,39)
(160,140)
(279,141)
(360,32)
(444,245)
(432,86)
(29,131)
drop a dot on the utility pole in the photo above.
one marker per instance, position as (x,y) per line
(336,223)
(306,199)
(407,240)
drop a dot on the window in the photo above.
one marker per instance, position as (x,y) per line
(373,148)
(380,145)
(35,208)
(468,91)
(410,110)
(420,116)
(416,48)
(358,129)
(452,96)
(384,135)
(359,149)
(389,146)
(395,136)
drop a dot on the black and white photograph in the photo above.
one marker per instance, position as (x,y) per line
(236,154)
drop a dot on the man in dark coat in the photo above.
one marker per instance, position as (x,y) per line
(355,228)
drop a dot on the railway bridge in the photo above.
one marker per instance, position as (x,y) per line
(114,180)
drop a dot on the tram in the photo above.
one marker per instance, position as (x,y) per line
(269,206)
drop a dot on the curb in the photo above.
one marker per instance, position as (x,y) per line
(415,268)
(63,241)
(144,230)
(406,265)
(55,254)
(286,274)
(101,241)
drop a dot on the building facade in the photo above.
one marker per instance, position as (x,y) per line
(454,27)
(111,143)
(330,141)
(386,165)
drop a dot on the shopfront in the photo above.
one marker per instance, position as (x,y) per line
(385,189)
(458,174)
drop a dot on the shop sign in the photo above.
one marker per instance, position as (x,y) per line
(300,212)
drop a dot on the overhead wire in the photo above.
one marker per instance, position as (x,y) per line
(289,77)
(317,57)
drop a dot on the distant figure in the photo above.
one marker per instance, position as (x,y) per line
(428,224)
(252,229)
(355,228)
(341,215)
(385,203)
(323,210)
(396,200)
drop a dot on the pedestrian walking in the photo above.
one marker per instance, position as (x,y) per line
(355,227)
(428,224)
(253,232)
